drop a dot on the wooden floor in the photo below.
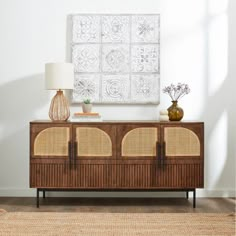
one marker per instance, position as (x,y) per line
(164,205)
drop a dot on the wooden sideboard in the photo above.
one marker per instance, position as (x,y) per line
(117,156)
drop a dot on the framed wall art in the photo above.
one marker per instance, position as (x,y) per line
(116,58)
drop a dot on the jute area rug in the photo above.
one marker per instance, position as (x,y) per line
(122,224)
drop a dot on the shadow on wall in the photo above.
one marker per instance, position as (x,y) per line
(219,107)
(20,100)
(215,105)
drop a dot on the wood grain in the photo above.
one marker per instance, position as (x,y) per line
(116,171)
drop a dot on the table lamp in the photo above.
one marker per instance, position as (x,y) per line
(59,76)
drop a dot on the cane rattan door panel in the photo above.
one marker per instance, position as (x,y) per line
(140,142)
(52,142)
(93,141)
(181,141)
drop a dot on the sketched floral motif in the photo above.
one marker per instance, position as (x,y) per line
(86,58)
(86,87)
(115,29)
(145,58)
(85,29)
(115,58)
(145,28)
(145,88)
(115,88)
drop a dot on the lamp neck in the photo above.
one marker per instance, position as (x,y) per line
(59,91)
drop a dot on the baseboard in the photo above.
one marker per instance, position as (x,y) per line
(21,192)
(216,193)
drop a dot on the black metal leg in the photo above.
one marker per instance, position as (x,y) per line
(37,200)
(194,198)
(185,190)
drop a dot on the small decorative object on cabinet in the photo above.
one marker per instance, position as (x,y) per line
(87,106)
(85,117)
(164,115)
(176,92)
(117,156)
(175,112)
(59,76)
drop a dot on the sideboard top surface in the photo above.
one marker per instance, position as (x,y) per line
(116,122)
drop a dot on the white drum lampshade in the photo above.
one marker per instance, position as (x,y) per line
(59,76)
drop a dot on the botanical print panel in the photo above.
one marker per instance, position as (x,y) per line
(116,58)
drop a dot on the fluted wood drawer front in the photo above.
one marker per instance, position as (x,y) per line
(94,175)
(107,176)
(151,173)
(50,175)
(178,176)
(134,176)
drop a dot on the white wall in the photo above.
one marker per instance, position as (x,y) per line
(197,47)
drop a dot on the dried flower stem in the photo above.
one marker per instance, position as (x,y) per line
(177,91)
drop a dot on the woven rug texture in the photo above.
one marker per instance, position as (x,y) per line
(112,224)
